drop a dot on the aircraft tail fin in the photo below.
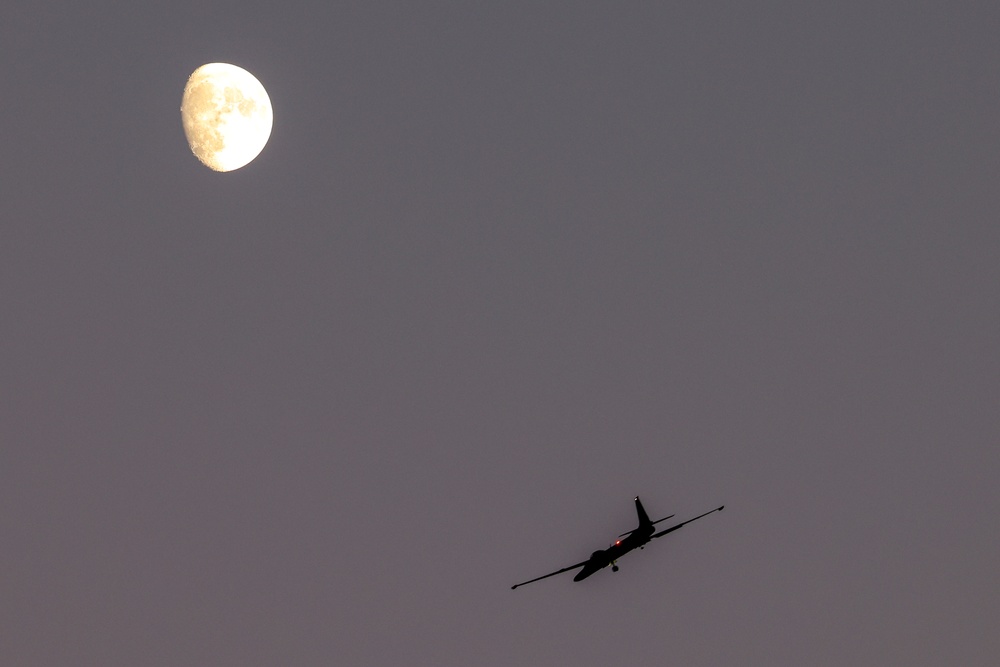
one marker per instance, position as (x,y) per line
(644,522)
(643,517)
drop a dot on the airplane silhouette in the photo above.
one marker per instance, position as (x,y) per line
(625,543)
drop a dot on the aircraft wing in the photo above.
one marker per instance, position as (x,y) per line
(652,524)
(684,523)
(550,574)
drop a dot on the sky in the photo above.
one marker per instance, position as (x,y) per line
(500,268)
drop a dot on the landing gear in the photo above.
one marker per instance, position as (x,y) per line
(614,568)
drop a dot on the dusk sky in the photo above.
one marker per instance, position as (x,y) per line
(501,267)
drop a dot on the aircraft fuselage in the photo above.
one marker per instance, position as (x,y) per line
(601,559)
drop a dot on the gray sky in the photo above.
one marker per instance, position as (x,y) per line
(500,268)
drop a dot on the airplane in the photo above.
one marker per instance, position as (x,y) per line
(625,543)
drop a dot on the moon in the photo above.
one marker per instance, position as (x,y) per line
(227,116)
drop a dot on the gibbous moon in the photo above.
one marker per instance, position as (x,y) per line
(226,115)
